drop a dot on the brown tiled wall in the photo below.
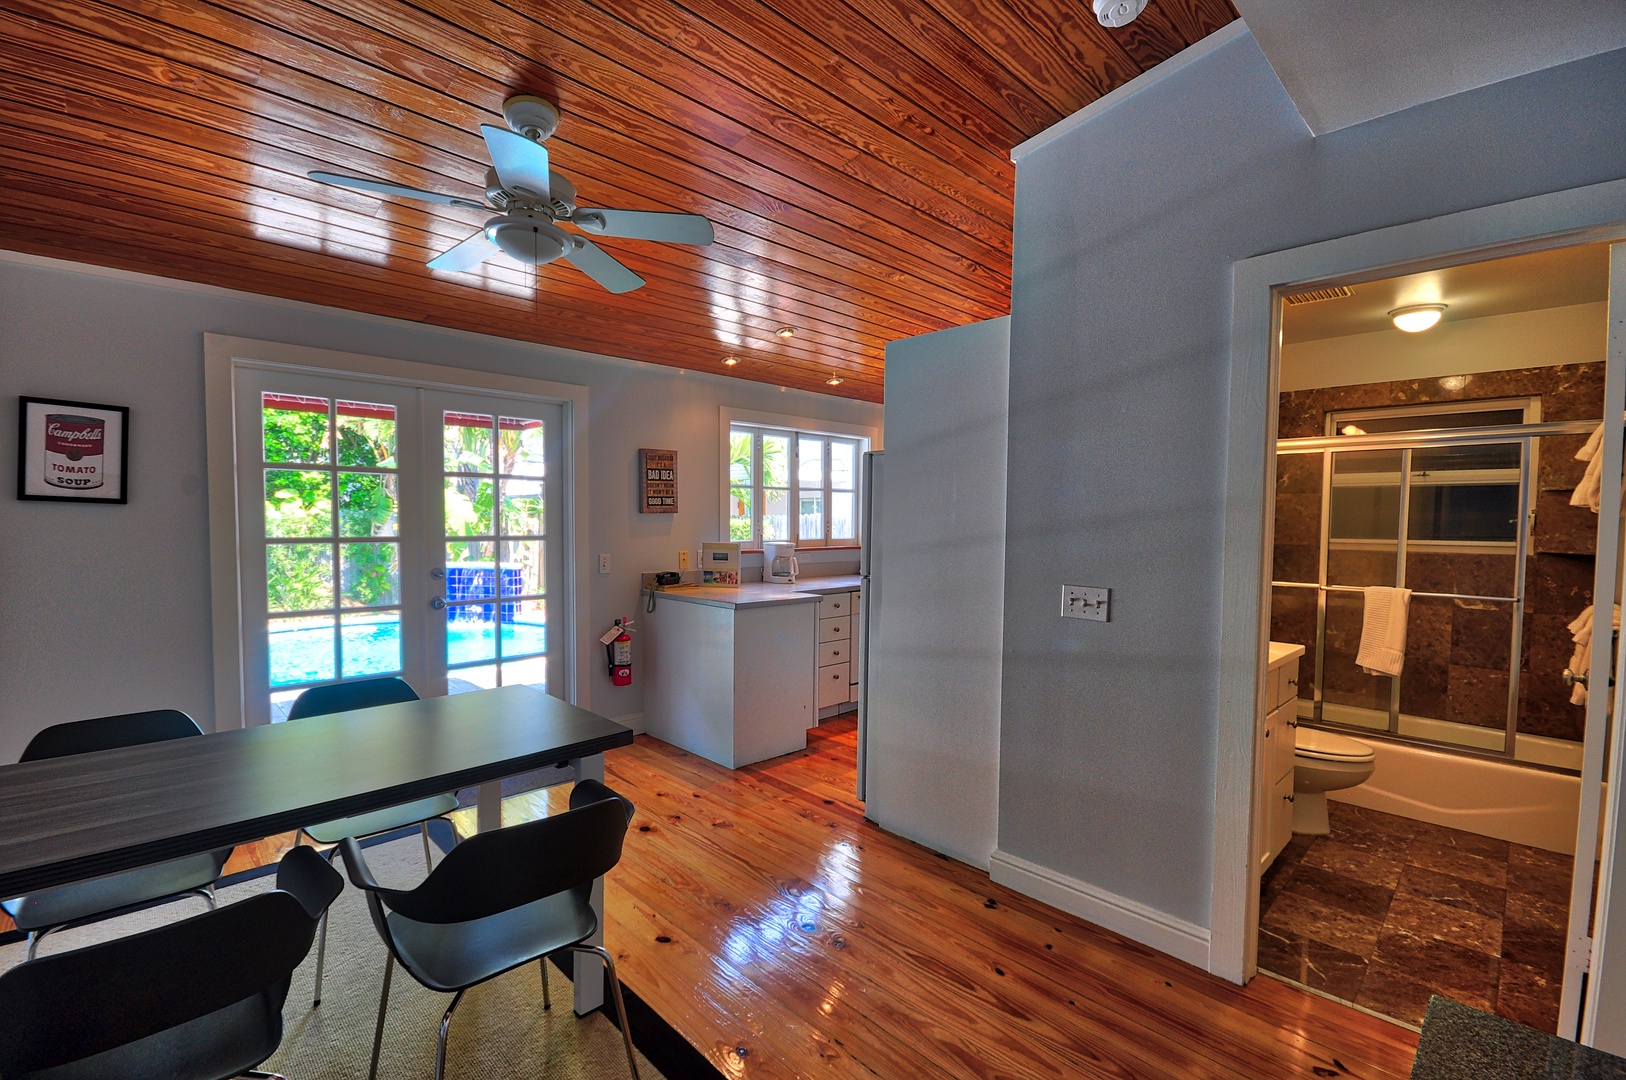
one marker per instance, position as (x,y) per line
(1457,649)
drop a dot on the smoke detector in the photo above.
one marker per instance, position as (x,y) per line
(1118,12)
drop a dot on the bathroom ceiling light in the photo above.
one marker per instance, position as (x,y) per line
(1415,318)
(786,332)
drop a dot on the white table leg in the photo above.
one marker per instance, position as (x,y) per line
(589,970)
(488,807)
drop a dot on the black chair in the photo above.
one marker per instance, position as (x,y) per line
(84,902)
(343,697)
(199,999)
(498,900)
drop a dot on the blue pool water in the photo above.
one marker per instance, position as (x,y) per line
(374,648)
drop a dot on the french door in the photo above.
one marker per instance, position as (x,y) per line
(390,529)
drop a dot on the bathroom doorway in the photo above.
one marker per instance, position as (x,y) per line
(1435,471)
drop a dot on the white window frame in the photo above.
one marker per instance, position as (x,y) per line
(864,438)
(224,356)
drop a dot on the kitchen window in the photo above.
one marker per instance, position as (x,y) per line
(789,484)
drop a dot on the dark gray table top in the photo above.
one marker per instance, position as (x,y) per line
(67,819)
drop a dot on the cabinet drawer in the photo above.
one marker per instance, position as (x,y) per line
(835,652)
(1287,687)
(833,688)
(836,604)
(1279,742)
(835,629)
(1279,816)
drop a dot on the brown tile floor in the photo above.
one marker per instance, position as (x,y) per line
(1385,911)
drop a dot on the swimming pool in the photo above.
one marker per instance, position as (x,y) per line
(305,654)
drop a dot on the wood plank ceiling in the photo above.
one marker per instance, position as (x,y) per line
(854,157)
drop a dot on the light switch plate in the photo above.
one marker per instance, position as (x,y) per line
(604,564)
(1085,602)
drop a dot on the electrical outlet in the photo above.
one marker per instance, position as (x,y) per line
(683,560)
(604,563)
(1084,602)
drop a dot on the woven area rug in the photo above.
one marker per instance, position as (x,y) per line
(499,1030)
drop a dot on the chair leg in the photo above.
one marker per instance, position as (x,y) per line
(445,1026)
(615,992)
(547,1003)
(34,942)
(208,894)
(256,1074)
(321,957)
(383,1003)
(427,863)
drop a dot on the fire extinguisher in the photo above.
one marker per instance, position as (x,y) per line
(618,649)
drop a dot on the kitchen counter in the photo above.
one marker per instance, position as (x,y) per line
(759,593)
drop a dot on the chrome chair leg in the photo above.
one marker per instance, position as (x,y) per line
(256,1074)
(427,863)
(34,942)
(547,1002)
(383,1003)
(321,957)
(615,991)
(208,894)
(440,1047)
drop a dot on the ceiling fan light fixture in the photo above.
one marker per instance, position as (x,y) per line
(1415,318)
(528,240)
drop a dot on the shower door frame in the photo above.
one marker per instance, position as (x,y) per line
(1526,436)
(1591,214)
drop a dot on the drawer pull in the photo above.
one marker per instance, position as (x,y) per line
(1292,682)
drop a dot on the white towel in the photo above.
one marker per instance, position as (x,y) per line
(1581,659)
(1587,493)
(1383,630)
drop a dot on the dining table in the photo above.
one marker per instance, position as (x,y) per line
(72,818)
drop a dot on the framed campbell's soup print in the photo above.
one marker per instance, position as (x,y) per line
(72,450)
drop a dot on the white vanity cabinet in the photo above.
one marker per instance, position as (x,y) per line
(1273,754)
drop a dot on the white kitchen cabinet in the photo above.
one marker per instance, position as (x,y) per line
(838,644)
(1273,754)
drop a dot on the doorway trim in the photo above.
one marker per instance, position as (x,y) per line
(223,356)
(1596,213)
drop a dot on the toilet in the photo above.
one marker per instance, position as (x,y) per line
(1323,762)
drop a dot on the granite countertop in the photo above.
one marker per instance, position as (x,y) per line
(759,593)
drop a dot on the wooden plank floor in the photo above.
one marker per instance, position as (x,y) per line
(785,936)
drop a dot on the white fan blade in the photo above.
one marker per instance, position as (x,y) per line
(522,165)
(602,267)
(378,187)
(467,255)
(646,225)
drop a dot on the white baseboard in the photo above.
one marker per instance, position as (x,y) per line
(633,720)
(1165,933)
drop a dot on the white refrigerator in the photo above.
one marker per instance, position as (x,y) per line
(933,595)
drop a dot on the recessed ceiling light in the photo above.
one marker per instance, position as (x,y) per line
(834,380)
(786,332)
(730,361)
(1415,318)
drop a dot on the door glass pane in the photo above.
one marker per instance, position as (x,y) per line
(522,508)
(299,577)
(523,446)
(371,643)
(739,513)
(523,568)
(529,672)
(1297,554)
(468,506)
(524,628)
(463,680)
(810,516)
(1364,518)
(843,456)
(741,445)
(370,575)
(367,504)
(776,460)
(298,503)
(776,515)
(301,649)
(1454,685)
(366,434)
(1349,695)
(471,633)
(295,428)
(810,468)
(467,443)
(1465,494)
(842,521)
(471,570)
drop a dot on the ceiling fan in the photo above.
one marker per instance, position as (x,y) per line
(530,199)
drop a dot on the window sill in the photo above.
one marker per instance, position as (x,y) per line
(802,551)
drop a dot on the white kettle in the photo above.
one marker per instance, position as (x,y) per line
(779,561)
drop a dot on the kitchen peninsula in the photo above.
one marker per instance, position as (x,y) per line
(735,673)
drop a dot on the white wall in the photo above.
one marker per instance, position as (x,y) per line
(108,606)
(1128,225)
(931,748)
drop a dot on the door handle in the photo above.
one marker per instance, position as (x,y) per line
(437,602)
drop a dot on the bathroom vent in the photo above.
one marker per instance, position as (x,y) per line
(1337,292)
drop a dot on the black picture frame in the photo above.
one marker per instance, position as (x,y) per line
(56,440)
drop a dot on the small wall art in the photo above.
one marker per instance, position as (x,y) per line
(658,488)
(72,451)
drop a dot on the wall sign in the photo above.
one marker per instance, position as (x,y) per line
(72,450)
(659,484)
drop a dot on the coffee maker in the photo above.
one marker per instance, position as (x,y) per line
(779,561)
